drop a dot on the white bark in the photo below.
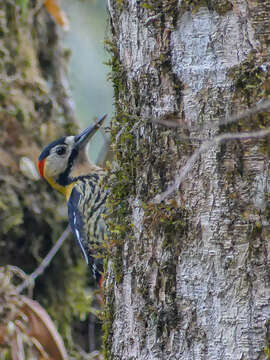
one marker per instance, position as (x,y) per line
(220,306)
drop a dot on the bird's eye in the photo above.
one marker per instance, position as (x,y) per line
(61,150)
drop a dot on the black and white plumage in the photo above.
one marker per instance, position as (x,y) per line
(86,209)
(65,165)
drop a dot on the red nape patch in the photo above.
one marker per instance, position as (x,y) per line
(41,164)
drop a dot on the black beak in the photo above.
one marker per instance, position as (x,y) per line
(82,139)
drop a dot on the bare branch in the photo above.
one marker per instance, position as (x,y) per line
(46,261)
(168,123)
(261,107)
(205,146)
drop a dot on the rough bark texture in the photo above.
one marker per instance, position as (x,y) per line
(35,108)
(188,278)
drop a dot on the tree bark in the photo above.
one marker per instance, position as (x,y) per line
(188,278)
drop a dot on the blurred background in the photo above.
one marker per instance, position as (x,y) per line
(91,91)
(92,95)
(33,112)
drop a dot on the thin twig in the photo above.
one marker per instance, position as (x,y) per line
(205,146)
(261,107)
(169,123)
(45,262)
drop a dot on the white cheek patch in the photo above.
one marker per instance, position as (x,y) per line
(54,166)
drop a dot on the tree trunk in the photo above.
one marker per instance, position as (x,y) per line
(188,277)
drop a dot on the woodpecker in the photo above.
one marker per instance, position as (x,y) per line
(65,165)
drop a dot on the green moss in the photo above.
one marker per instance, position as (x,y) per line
(193,5)
(251,85)
(122,178)
(162,15)
(147,6)
(221,6)
(255,231)
(120,5)
(160,5)
(267,340)
(168,218)
(260,23)
(251,79)
(107,321)
(121,184)
(170,223)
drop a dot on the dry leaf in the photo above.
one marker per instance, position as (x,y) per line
(17,351)
(3,334)
(59,16)
(25,325)
(41,327)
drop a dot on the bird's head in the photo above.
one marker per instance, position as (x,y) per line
(66,159)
